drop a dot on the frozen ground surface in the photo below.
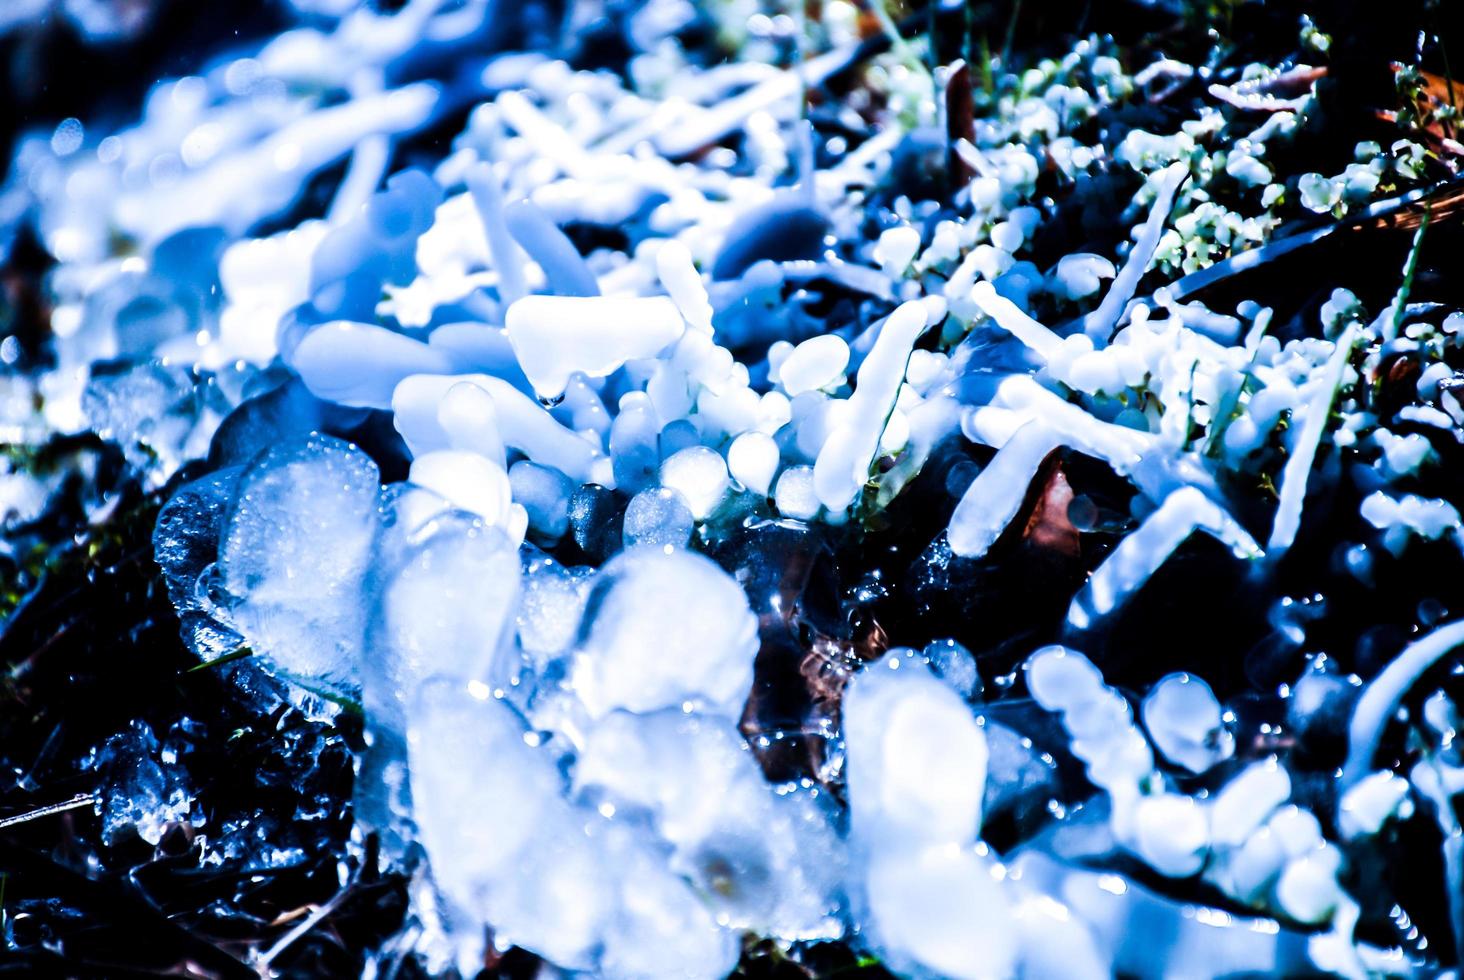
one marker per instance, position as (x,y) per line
(673,490)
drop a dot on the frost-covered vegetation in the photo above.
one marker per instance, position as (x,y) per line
(785,486)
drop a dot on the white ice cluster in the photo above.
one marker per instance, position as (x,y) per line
(564,742)
(571,736)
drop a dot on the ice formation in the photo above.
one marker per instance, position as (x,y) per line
(664,628)
(468,452)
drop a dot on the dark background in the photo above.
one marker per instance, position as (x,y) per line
(51,72)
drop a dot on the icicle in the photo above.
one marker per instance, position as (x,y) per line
(1141,554)
(1010,318)
(1379,701)
(507,259)
(842,467)
(564,268)
(1100,324)
(995,496)
(1297,471)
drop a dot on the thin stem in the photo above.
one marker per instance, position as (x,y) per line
(900,45)
(1410,269)
(309,922)
(1011,36)
(1448,78)
(75,803)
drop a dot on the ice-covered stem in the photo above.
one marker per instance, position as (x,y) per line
(1010,318)
(550,139)
(929,423)
(842,467)
(1255,94)
(1020,398)
(1167,68)
(1101,725)
(360,364)
(677,271)
(711,125)
(1125,922)
(1380,699)
(1400,518)
(807,159)
(1140,555)
(474,484)
(995,496)
(1025,422)
(1178,835)
(564,268)
(1100,324)
(916,760)
(240,190)
(368,165)
(1297,471)
(363,38)
(369,159)
(487,197)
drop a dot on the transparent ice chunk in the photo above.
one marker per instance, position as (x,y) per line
(662,629)
(768,861)
(659,517)
(1184,721)
(916,757)
(294,550)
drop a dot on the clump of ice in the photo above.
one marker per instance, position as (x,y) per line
(658,517)
(472,483)
(556,336)
(661,629)
(917,757)
(144,793)
(1185,722)
(293,554)
(556,878)
(448,609)
(767,859)
(699,476)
